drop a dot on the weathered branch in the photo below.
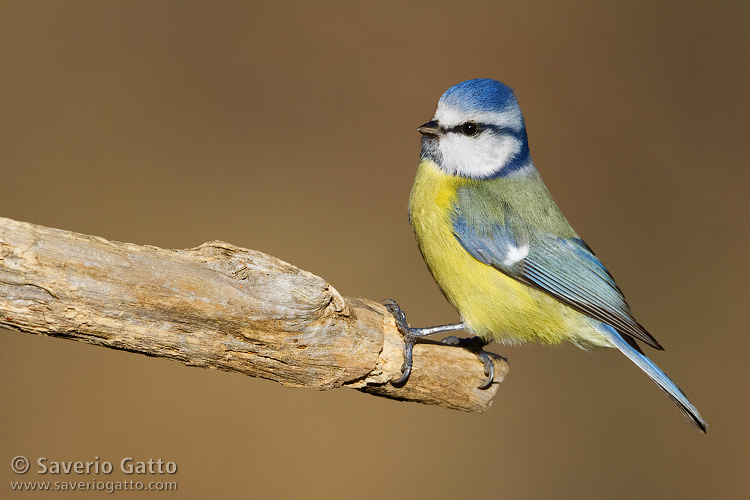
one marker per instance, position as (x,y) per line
(221,306)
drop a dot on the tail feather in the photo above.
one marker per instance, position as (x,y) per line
(655,373)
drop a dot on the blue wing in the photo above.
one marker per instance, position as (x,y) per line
(564,268)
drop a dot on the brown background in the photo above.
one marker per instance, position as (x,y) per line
(291,130)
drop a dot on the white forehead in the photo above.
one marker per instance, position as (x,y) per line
(449,116)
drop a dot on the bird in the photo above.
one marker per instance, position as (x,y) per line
(499,248)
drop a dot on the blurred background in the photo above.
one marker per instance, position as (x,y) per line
(290,128)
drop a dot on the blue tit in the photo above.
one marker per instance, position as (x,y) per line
(499,248)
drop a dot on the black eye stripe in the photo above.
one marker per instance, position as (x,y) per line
(469,128)
(481,127)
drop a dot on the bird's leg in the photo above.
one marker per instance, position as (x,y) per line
(475,345)
(412,334)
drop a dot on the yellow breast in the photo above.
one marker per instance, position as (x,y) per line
(493,305)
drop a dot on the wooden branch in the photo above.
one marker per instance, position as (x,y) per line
(223,307)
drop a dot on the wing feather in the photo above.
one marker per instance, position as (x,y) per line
(564,268)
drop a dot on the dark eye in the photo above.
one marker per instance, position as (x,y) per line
(470,128)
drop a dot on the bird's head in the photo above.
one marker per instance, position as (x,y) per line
(477,132)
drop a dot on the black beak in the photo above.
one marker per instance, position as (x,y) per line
(430,128)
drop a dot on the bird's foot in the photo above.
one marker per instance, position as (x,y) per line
(412,334)
(410,338)
(475,345)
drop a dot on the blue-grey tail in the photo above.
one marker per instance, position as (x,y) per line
(657,375)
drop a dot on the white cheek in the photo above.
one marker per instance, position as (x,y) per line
(477,157)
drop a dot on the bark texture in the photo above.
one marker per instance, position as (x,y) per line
(223,307)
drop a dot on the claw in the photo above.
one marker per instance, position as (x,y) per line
(489,370)
(398,314)
(475,345)
(409,340)
(406,366)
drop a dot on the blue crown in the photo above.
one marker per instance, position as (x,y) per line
(481,94)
